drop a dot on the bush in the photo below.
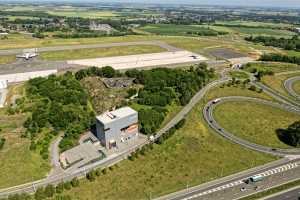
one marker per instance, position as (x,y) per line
(2,142)
(49,191)
(91,176)
(75,182)
(67,185)
(60,188)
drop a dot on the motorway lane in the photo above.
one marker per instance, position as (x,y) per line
(293,194)
(288,85)
(208,116)
(230,189)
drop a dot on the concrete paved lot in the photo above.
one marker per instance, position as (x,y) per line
(142,60)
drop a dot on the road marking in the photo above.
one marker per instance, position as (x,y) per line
(236,183)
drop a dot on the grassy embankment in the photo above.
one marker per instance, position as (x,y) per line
(101,52)
(194,155)
(17,160)
(253,122)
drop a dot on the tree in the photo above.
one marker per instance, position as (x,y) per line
(40,194)
(91,176)
(75,182)
(60,188)
(108,72)
(291,135)
(49,191)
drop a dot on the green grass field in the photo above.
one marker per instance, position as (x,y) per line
(276,82)
(254,122)
(172,29)
(296,87)
(239,75)
(84,13)
(7,59)
(17,160)
(253,23)
(263,31)
(100,52)
(274,67)
(194,155)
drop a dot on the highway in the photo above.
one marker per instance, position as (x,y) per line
(290,194)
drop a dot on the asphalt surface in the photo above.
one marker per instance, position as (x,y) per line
(293,194)
(161,44)
(288,85)
(208,116)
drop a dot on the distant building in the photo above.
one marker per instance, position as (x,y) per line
(117,127)
(298,30)
(101,27)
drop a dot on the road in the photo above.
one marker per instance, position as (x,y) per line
(208,116)
(161,44)
(291,194)
(288,85)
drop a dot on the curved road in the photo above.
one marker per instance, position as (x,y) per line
(288,85)
(208,116)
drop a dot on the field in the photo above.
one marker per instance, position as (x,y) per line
(239,75)
(7,59)
(17,160)
(262,31)
(252,23)
(100,52)
(84,13)
(254,122)
(171,29)
(194,155)
(296,87)
(276,82)
(274,67)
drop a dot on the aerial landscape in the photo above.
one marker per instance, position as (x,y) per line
(140,100)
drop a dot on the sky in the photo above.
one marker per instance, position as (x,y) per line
(270,3)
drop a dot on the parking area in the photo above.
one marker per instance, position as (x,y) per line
(225,53)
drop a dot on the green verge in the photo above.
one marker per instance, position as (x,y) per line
(273,191)
(7,59)
(277,82)
(254,122)
(194,155)
(19,165)
(101,52)
(296,87)
(239,75)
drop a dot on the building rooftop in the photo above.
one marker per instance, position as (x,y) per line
(111,116)
(81,152)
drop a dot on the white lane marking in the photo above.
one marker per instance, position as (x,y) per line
(229,185)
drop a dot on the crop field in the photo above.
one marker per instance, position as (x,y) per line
(263,31)
(194,155)
(253,23)
(101,52)
(255,122)
(17,160)
(84,13)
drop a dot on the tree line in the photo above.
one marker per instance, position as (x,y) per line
(61,104)
(284,43)
(276,57)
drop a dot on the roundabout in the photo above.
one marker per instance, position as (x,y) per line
(208,113)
